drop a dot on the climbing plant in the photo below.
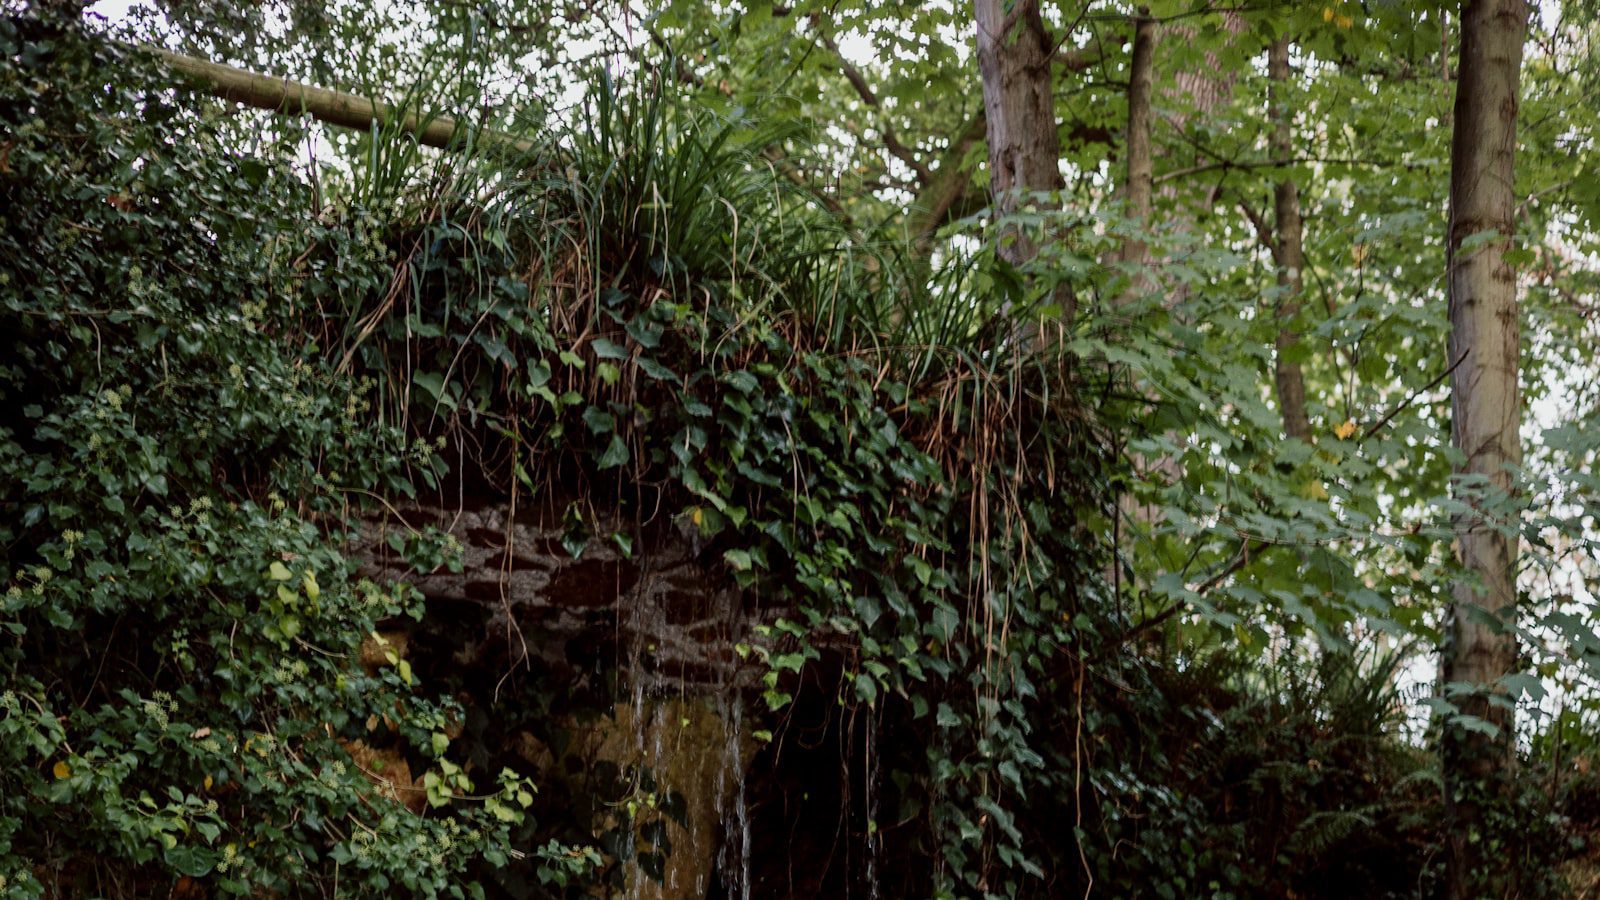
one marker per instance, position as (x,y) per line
(655,319)
(179,682)
(220,365)
(207,375)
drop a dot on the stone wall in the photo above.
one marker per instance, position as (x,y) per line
(654,630)
(671,618)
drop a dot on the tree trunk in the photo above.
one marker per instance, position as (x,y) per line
(1141,161)
(1014,59)
(1485,415)
(1204,88)
(1135,251)
(1288,254)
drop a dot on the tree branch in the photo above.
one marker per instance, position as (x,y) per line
(1263,233)
(786,167)
(947,186)
(1228,164)
(891,141)
(281,95)
(1373,429)
(1078,58)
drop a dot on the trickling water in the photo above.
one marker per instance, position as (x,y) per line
(688,737)
(722,793)
(871,789)
(741,810)
(660,766)
(635,883)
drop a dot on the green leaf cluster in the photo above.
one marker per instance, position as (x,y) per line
(179,678)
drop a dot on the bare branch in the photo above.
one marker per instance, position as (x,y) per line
(1263,233)
(786,167)
(281,95)
(1373,429)
(891,141)
(943,193)
(1228,164)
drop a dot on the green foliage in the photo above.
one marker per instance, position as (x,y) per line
(1295,786)
(1288,781)
(665,323)
(207,363)
(179,670)
(653,304)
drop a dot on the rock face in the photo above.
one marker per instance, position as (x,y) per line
(671,620)
(652,631)
(694,753)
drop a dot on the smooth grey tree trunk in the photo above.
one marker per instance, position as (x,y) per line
(1204,89)
(1485,415)
(1141,159)
(1137,192)
(1288,253)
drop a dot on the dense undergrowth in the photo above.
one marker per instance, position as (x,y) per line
(179,620)
(208,367)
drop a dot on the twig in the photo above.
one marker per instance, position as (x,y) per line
(1137,630)
(1246,547)
(1414,394)
(1263,233)
(891,141)
(1228,164)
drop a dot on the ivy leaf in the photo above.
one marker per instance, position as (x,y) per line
(432,382)
(599,421)
(656,370)
(866,688)
(616,454)
(497,350)
(605,348)
(435,385)
(869,609)
(741,381)
(646,333)
(538,373)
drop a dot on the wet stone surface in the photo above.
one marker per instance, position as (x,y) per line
(668,619)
